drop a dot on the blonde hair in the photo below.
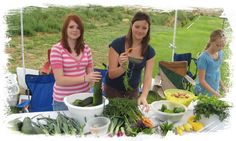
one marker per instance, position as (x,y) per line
(215,35)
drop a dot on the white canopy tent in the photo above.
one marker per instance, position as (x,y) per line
(223,16)
(22,39)
(172,45)
(22,71)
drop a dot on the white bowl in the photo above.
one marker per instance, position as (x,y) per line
(98,126)
(163,116)
(83,114)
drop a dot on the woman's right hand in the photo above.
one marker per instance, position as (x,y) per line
(93,77)
(123,58)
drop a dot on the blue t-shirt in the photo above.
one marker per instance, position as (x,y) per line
(135,70)
(212,68)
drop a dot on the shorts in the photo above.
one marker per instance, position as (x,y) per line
(59,106)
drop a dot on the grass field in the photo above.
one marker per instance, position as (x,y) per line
(192,39)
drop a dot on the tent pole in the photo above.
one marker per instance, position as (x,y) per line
(174,36)
(22,40)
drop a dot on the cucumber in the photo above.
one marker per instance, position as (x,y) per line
(163,107)
(87,101)
(178,110)
(97,95)
(76,102)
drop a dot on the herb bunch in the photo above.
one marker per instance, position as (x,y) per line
(127,111)
(207,106)
(165,127)
(126,78)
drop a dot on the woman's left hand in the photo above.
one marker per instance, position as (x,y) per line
(225,89)
(143,101)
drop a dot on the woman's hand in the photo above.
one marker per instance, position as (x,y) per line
(92,77)
(123,58)
(142,100)
(224,89)
(216,94)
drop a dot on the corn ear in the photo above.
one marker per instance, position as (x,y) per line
(179,131)
(188,127)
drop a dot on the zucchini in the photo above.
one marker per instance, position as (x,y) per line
(87,101)
(76,102)
(97,95)
(16,124)
(27,127)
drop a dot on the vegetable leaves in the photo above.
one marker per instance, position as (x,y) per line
(207,106)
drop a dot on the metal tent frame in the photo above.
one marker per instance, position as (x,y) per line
(173,44)
(22,40)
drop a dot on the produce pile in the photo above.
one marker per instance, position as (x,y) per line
(192,125)
(46,125)
(94,100)
(174,110)
(207,106)
(179,96)
(126,118)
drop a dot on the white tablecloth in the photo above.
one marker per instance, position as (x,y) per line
(212,124)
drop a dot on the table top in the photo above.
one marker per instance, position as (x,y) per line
(212,124)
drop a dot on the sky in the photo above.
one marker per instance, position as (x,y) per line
(227,5)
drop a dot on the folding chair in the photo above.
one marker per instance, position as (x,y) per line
(187,57)
(21,72)
(173,75)
(41,88)
(103,73)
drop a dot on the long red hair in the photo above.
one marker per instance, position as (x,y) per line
(79,47)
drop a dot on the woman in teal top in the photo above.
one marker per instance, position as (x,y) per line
(208,64)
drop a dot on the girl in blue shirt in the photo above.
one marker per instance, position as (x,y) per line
(138,40)
(208,65)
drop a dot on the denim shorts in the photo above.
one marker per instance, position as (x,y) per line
(59,106)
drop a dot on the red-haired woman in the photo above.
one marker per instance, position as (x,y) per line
(72,63)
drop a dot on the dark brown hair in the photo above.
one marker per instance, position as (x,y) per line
(215,35)
(80,41)
(139,16)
